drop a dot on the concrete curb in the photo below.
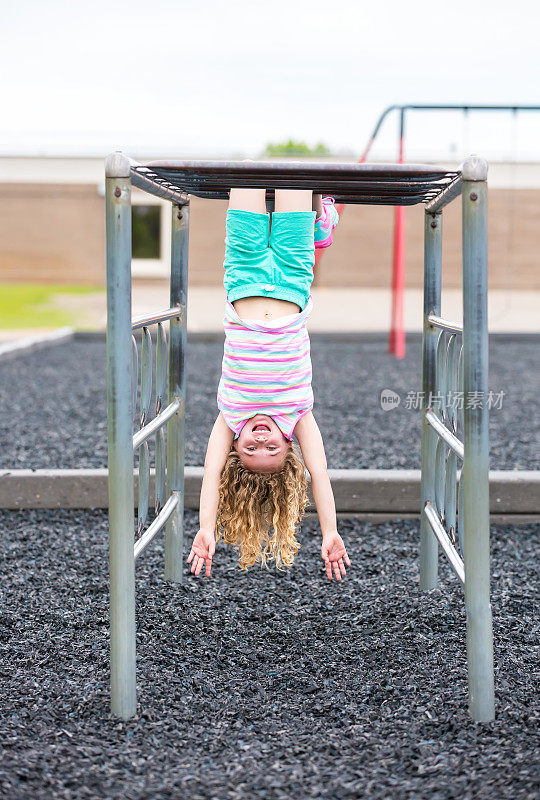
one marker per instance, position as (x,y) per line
(28,343)
(371,493)
(356,337)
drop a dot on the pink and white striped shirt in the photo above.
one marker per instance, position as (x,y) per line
(265,370)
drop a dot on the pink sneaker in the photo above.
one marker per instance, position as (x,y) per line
(326,223)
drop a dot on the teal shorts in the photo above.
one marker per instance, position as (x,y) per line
(260,262)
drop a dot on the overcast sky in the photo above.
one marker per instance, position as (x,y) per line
(203,78)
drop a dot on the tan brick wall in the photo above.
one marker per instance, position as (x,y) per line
(206,241)
(56,233)
(52,233)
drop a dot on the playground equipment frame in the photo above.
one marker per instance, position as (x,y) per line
(396,339)
(442,369)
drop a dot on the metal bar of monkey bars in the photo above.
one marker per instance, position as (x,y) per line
(432,303)
(452,441)
(176,429)
(448,194)
(165,190)
(439,322)
(396,184)
(290,172)
(444,540)
(159,420)
(120,428)
(158,523)
(160,316)
(475,475)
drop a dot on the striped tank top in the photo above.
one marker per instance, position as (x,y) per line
(265,370)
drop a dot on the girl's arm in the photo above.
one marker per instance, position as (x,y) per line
(311,443)
(219,445)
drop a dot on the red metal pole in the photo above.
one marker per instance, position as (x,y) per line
(396,338)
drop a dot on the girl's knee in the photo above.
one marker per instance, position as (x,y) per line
(248,200)
(294,200)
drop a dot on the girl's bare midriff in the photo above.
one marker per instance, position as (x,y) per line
(266,308)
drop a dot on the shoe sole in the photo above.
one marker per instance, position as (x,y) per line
(325,242)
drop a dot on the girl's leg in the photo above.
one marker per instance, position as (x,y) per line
(292,241)
(248,200)
(247,231)
(317,205)
(294,200)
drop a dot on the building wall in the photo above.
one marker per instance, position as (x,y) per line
(362,251)
(52,233)
(56,233)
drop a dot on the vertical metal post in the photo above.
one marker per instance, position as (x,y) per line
(174,540)
(432,303)
(120,436)
(475,477)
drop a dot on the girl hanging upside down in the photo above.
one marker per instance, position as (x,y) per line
(254,486)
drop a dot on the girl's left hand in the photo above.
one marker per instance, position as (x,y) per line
(334,555)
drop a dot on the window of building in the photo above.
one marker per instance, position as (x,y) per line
(146,231)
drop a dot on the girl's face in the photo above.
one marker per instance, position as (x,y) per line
(261,445)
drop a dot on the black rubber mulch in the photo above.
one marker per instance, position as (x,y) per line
(261,685)
(53,407)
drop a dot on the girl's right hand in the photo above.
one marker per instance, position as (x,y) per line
(202,552)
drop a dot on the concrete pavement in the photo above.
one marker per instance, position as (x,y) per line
(336,310)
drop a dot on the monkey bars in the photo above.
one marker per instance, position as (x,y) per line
(445,369)
(373,184)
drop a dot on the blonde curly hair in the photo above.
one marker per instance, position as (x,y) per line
(259,512)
